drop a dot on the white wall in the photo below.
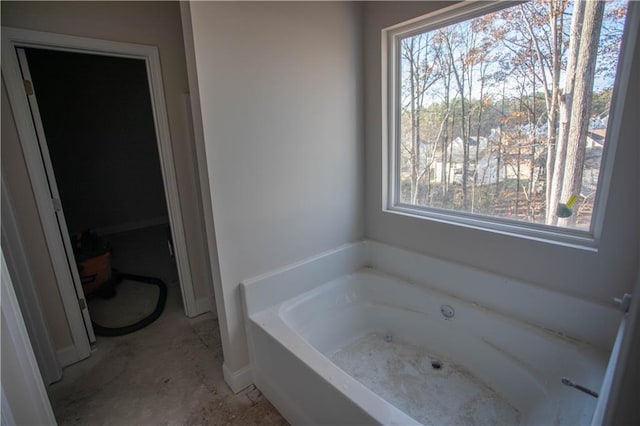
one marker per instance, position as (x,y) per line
(280,95)
(593,276)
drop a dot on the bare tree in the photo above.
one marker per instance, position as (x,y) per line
(581,103)
(418,54)
(534,37)
(458,46)
(557,177)
(445,68)
(505,99)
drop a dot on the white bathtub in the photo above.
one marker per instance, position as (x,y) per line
(333,341)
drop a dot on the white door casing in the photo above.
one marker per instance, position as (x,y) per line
(40,171)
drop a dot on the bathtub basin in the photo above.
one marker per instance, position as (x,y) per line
(370,348)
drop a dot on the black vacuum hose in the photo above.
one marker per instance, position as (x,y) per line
(162,299)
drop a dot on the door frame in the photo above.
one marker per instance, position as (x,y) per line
(13,38)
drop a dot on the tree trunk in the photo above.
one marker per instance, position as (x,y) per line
(415,148)
(453,126)
(518,182)
(478,130)
(552,114)
(465,154)
(565,112)
(499,155)
(445,138)
(460,80)
(531,182)
(414,198)
(581,103)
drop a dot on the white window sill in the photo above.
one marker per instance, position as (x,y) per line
(571,238)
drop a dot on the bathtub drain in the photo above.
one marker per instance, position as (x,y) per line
(388,338)
(447,311)
(436,364)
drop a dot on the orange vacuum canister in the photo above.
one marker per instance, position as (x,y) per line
(93,258)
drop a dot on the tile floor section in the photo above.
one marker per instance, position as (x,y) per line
(169,373)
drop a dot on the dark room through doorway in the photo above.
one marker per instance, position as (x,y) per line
(97,116)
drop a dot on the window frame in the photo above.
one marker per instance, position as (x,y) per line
(390,48)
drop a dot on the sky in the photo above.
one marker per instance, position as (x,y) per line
(612,28)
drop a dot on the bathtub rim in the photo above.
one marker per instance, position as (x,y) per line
(266,290)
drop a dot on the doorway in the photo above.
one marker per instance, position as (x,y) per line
(96,115)
(50,202)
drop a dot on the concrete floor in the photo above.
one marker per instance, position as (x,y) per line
(169,373)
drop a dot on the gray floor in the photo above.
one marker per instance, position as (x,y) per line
(169,373)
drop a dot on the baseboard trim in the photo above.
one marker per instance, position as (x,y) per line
(239,379)
(130,226)
(67,356)
(204,305)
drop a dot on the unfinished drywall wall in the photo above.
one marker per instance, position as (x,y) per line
(597,276)
(98,119)
(151,23)
(280,98)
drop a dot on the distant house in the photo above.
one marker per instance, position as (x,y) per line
(489,169)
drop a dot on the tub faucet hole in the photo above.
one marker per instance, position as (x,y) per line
(436,364)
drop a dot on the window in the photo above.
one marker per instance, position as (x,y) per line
(499,115)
